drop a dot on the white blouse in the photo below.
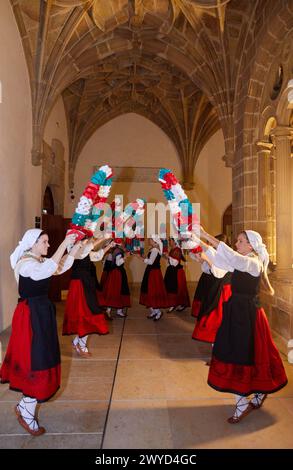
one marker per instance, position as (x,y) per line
(206,268)
(87,250)
(154,252)
(215,270)
(173,261)
(119,260)
(30,267)
(65,263)
(228,259)
(84,251)
(97,255)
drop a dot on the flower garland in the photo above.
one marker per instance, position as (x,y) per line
(180,207)
(136,242)
(91,203)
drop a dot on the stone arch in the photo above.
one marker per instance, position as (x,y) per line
(141,151)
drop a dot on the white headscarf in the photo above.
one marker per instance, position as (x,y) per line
(158,241)
(28,240)
(259,247)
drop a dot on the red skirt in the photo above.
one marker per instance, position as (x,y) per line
(267,375)
(112,291)
(104,278)
(181,297)
(156,295)
(16,368)
(206,328)
(78,318)
(196,304)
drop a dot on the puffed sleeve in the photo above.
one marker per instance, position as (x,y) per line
(153,255)
(84,251)
(218,272)
(119,260)
(205,267)
(211,253)
(35,270)
(65,264)
(96,255)
(173,261)
(228,259)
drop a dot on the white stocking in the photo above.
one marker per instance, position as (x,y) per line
(257,398)
(241,405)
(82,343)
(27,408)
(153,312)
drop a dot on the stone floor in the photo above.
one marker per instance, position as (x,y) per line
(145,387)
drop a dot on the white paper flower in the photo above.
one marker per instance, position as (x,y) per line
(139,211)
(178,192)
(87,223)
(90,225)
(174,207)
(106,169)
(140,202)
(84,205)
(104,191)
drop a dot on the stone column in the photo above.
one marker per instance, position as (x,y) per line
(282,142)
(265,206)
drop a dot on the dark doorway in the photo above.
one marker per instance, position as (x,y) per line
(48,202)
(55,226)
(227,224)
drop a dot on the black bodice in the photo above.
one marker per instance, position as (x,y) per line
(29,288)
(156,264)
(80,266)
(245,284)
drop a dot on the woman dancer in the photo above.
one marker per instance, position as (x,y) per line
(175,279)
(153,292)
(84,314)
(245,359)
(32,361)
(116,289)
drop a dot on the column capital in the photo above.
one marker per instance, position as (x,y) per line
(265,146)
(282,131)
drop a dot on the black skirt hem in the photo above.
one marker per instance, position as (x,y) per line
(89,333)
(29,396)
(236,392)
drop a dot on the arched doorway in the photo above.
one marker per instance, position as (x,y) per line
(48,202)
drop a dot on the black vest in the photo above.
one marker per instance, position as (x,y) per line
(235,338)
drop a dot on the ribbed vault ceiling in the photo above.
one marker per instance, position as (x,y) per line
(175,62)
